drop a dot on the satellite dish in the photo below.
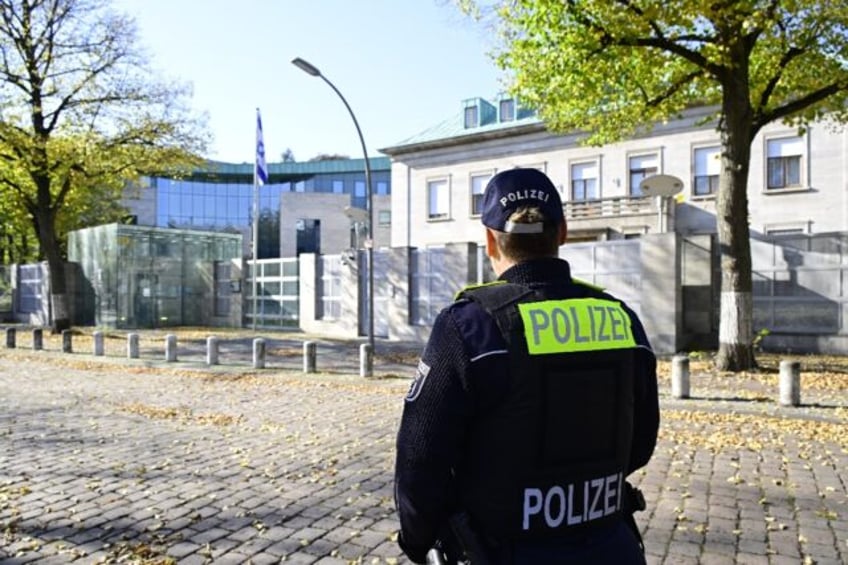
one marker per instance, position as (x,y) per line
(660,185)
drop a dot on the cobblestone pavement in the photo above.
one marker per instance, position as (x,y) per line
(108,460)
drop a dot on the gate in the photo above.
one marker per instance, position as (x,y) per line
(277,294)
(382,292)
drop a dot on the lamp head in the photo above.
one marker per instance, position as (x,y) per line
(305,67)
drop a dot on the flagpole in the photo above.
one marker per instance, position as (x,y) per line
(255,242)
(260,177)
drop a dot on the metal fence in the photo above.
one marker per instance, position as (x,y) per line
(30,283)
(613,265)
(801,284)
(430,291)
(277,293)
(6,305)
(330,287)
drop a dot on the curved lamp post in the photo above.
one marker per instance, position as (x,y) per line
(369,242)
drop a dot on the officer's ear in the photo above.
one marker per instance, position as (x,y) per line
(563,233)
(492,250)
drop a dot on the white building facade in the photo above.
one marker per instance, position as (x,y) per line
(798,216)
(798,182)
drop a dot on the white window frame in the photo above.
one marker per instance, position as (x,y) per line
(471,115)
(510,114)
(648,155)
(593,162)
(441,201)
(708,166)
(475,195)
(804,227)
(774,145)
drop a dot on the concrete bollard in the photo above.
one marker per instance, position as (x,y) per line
(258,353)
(680,376)
(10,338)
(366,360)
(309,357)
(37,339)
(67,341)
(212,350)
(132,346)
(170,348)
(98,344)
(790,383)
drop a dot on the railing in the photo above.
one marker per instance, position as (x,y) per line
(617,206)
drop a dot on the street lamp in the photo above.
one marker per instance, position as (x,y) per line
(369,204)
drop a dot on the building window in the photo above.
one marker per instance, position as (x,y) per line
(359,199)
(642,166)
(382,188)
(506,110)
(478,186)
(438,198)
(784,162)
(472,117)
(584,181)
(707,168)
(338,187)
(384,218)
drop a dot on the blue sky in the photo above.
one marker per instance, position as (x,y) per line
(402,65)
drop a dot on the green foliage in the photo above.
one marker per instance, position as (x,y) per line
(615,68)
(611,68)
(87,118)
(758,339)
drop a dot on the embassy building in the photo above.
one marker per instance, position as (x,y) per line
(304,208)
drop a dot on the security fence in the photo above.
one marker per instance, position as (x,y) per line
(382,292)
(430,289)
(30,285)
(613,265)
(330,287)
(277,293)
(800,289)
(6,296)
(801,284)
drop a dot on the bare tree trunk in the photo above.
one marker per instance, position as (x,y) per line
(735,351)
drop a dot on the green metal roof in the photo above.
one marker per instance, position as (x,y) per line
(288,171)
(453,130)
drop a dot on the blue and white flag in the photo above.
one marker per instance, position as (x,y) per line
(261,171)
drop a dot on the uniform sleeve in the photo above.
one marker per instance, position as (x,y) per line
(646,415)
(430,439)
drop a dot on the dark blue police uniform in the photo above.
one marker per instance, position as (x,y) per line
(535,457)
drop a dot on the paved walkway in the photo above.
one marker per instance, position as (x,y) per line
(105,460)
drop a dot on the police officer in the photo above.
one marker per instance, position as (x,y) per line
(535,398)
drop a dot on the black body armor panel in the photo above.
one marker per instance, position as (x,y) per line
(551,459)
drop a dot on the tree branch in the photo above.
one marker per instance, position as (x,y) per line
(664,43)
(787,58)
(763,118)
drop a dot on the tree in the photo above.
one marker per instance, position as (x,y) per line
(82,114)
(613,68)
(287,156)
(328,157)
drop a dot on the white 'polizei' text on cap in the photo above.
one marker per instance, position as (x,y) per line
(526,194)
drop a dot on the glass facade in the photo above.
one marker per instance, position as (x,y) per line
(221,198)
(143,277)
